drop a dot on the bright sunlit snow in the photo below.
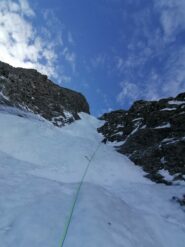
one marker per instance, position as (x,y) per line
(40,167)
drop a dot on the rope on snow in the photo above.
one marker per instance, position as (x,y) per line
(66,227)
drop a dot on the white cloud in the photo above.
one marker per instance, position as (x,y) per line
(28,46)
(21,6)
(119,64)
(25,7)
(154,66)
(20,45)
(65,79)
(174,77)
(171,16)
(129,91)
(70,38)
(70,57)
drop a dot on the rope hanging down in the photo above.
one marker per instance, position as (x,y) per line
(66,227)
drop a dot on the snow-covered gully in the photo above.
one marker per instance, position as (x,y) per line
(68,222)
(40,170)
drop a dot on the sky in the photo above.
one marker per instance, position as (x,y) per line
(112,51)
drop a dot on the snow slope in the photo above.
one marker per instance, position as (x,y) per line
(40,167)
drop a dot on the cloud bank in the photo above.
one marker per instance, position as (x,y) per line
(154,65)
(20,43)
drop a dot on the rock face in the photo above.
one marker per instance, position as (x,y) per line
(152,134)
(28,89)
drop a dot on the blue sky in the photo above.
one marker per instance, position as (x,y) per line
(113,51)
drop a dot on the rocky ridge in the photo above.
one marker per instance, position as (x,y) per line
(152,135)
(28,89)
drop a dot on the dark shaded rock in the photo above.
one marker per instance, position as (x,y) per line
(28,89)
(152,135)
(181,200)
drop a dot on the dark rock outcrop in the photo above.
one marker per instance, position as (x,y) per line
(30,90)
(152,135)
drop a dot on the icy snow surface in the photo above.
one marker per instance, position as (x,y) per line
(163,126)
(40,167)
(166,174)
(176,102)
(168,109)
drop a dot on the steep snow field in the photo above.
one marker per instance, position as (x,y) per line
(40,168)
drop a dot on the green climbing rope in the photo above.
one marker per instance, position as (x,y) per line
(67,224)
